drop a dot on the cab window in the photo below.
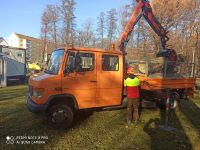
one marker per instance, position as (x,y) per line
(55,61)
(80,62)
(86,62)
(110,63)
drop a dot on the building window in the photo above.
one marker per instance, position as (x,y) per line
(28,45)
(19,54)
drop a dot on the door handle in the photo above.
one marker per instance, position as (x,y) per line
(93,81)
(58,88)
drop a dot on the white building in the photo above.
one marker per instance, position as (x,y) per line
(3,42)
(22,41)
(34,47)
(31,44)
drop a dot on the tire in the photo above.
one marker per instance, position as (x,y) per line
(174,98)
(173,104)
(173,101)
(60,116)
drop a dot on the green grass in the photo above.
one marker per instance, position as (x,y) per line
(100,130)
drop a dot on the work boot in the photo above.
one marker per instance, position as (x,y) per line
(135,123)
(128,122)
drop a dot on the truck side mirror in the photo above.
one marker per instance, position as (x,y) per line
(67,70)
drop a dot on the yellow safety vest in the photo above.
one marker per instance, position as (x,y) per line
(132,82)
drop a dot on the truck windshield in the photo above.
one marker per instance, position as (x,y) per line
(55,61)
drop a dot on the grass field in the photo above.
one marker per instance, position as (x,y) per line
(99,130)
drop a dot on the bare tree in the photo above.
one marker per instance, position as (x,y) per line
(111,24)
(124,16)
(45,22)
(67,9)
(86,36)
(101,27)
(49,25)
(53,14)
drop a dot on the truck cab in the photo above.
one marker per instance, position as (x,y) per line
(76,78)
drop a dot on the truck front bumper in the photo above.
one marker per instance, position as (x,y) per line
(33,107)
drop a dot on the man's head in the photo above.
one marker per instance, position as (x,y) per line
(130,70)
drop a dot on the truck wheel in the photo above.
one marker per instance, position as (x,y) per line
(173,101)
(60,116)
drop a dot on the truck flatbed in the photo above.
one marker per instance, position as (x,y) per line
(167,83)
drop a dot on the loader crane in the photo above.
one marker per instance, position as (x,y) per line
(143,9)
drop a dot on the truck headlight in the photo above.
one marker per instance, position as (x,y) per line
(38,93)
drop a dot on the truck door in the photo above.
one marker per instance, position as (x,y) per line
(110,80)
(81,79)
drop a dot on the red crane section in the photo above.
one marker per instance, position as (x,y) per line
(144,9)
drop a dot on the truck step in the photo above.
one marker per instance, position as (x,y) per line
(115,107)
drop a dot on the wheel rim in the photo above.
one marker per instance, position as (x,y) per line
(173,100)
(173,104)
(59,116)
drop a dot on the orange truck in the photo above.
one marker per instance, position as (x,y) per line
(88,78)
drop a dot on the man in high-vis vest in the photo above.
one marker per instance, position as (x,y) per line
(132,83)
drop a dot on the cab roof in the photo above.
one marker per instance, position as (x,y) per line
(92,50)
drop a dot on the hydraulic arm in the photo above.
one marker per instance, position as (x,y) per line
(144,9)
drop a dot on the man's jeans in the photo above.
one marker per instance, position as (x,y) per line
(132,109)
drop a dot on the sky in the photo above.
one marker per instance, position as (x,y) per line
(23,16)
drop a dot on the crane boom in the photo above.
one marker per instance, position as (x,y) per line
(144,9)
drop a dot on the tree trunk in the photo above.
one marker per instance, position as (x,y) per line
(55,35)
(197,62)
(45,43)
(138,34)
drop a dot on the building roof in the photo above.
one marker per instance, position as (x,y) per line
(50,44)
(1,39)
(21,36)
